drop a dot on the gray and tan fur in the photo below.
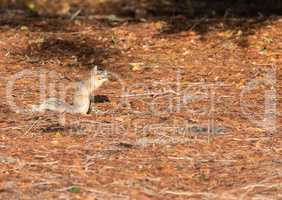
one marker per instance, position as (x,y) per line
(81,99)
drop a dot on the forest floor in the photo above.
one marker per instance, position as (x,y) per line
(192,110)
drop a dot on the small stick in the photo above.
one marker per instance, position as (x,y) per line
(33,125)
(74,15)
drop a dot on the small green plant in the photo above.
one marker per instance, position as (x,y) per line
(74,189)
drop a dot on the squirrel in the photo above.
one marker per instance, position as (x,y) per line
(82,95)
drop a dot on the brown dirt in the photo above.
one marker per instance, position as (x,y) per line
(132,151)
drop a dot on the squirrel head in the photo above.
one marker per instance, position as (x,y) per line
(98,74)
(97,78)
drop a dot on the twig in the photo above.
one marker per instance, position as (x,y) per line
(13,128)
(74,15)
(33,125)
(198,22)
(184,193)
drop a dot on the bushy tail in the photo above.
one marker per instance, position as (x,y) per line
(52,104)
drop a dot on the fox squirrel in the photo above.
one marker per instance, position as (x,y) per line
(81,99)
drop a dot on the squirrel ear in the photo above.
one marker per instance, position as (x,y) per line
(104,74)
(94,69)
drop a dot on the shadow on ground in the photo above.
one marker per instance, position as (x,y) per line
(74,51)
(200,16)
